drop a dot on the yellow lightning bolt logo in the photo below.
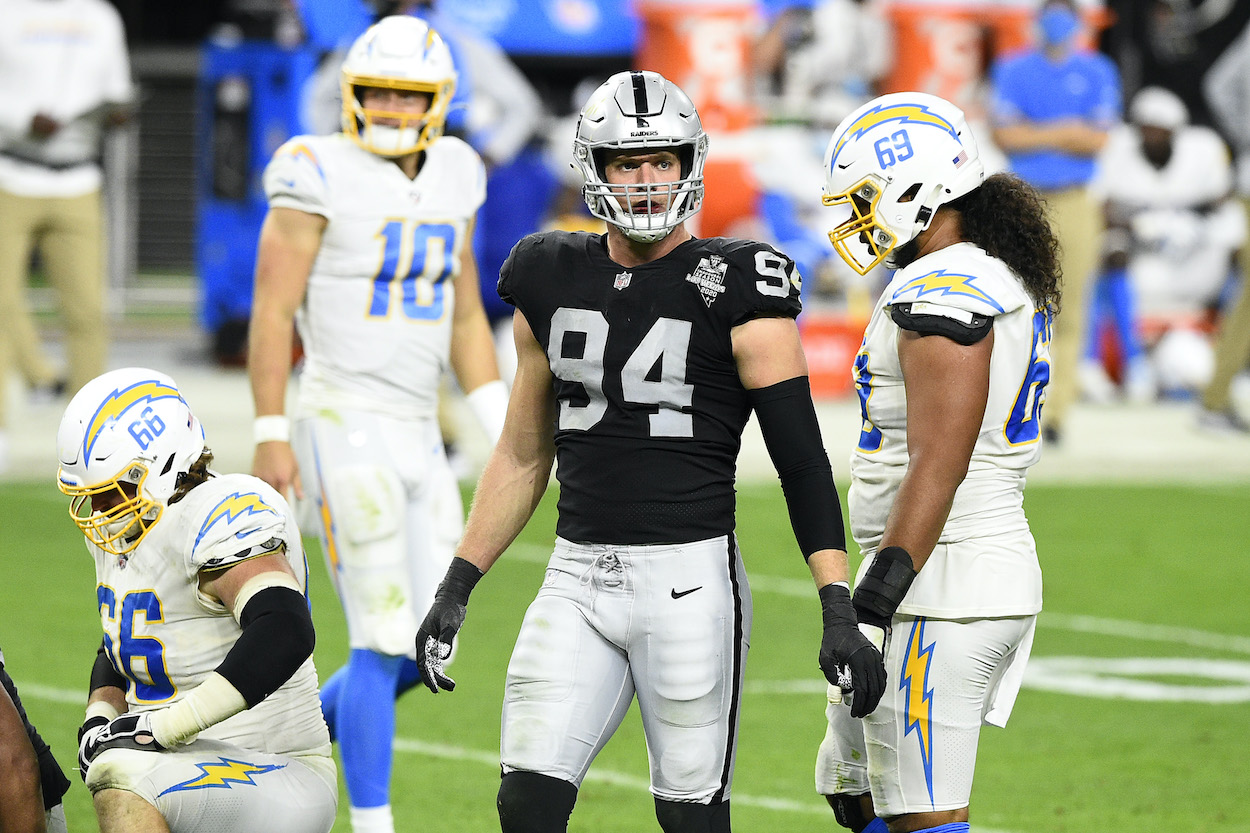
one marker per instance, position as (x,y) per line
(918,699)
(235,506)
(120,401)
(917,114)
(944,283)
(299,150)
(222,773)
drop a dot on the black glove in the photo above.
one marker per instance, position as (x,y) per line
(847,658)
(88,741)
(881,591)
(443,622)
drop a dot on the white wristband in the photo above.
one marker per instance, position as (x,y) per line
(274,428)
(490,405)
(209,703)
(101,708)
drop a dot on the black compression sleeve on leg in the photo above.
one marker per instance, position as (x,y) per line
(688,817)
(277,638)
(530,802)
(792,435)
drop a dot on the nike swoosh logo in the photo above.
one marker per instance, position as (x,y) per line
(677,595)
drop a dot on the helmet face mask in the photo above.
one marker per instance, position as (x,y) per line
(644,113)
(894,162)
(404,54)
(125,441)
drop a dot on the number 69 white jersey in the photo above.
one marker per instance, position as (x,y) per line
(954,282)
(376,318)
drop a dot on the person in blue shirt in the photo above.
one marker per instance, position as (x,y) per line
(1053,108)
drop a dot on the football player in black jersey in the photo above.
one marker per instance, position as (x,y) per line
(641,354)
(31,781)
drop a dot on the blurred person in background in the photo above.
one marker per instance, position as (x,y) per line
(817,61)
(367,246)
(951,377)
(202,711)
(1053,107)
(1171,233)
(1227,89)
(64,78)
(31,781)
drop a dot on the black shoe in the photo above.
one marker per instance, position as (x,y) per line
(1051,434)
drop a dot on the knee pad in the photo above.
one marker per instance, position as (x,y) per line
(849,811)
(529,802)
(684,817)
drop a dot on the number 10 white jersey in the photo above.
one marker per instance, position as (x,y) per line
(376,317)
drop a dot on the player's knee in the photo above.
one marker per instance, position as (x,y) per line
(530,802)
(685,817)
(853,812)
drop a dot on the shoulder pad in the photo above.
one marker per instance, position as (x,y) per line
(985,291)
(928,319)
(762,281)
(243,519)
(296,177)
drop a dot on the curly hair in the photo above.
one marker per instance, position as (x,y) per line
(193,476)
(1007,218)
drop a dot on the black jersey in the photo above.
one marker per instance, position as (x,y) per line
(651,409)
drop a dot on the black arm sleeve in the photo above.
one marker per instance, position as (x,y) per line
(792,435)
(104,674)
(277,637)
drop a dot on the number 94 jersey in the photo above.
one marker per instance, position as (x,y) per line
(651,409)
(376,318)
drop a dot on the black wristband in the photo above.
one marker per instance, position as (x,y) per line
(835,605)
(881,591)
(460,580)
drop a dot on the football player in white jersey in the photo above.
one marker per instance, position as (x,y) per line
(951,377)
(203,712)
(367,248)
(645,594)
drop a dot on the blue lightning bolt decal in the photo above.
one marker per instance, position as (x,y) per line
(223,772)
(120,401)
(234,506)
(903,113)
(918,697)
(945,283)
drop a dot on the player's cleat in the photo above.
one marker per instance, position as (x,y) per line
(1222,422)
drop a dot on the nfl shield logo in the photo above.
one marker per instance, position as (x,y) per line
(622,280)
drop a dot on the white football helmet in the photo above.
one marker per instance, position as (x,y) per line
(127,433)
(633,111)
(400,52)
(894,161)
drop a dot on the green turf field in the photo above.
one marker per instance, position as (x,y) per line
(1144,652)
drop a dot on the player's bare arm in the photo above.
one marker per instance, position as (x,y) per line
(289,242)
(21,797)
(947,388)
(512,483)
(773,368)
(473,347)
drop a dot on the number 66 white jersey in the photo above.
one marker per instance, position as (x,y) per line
(959,282)
(376,318)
